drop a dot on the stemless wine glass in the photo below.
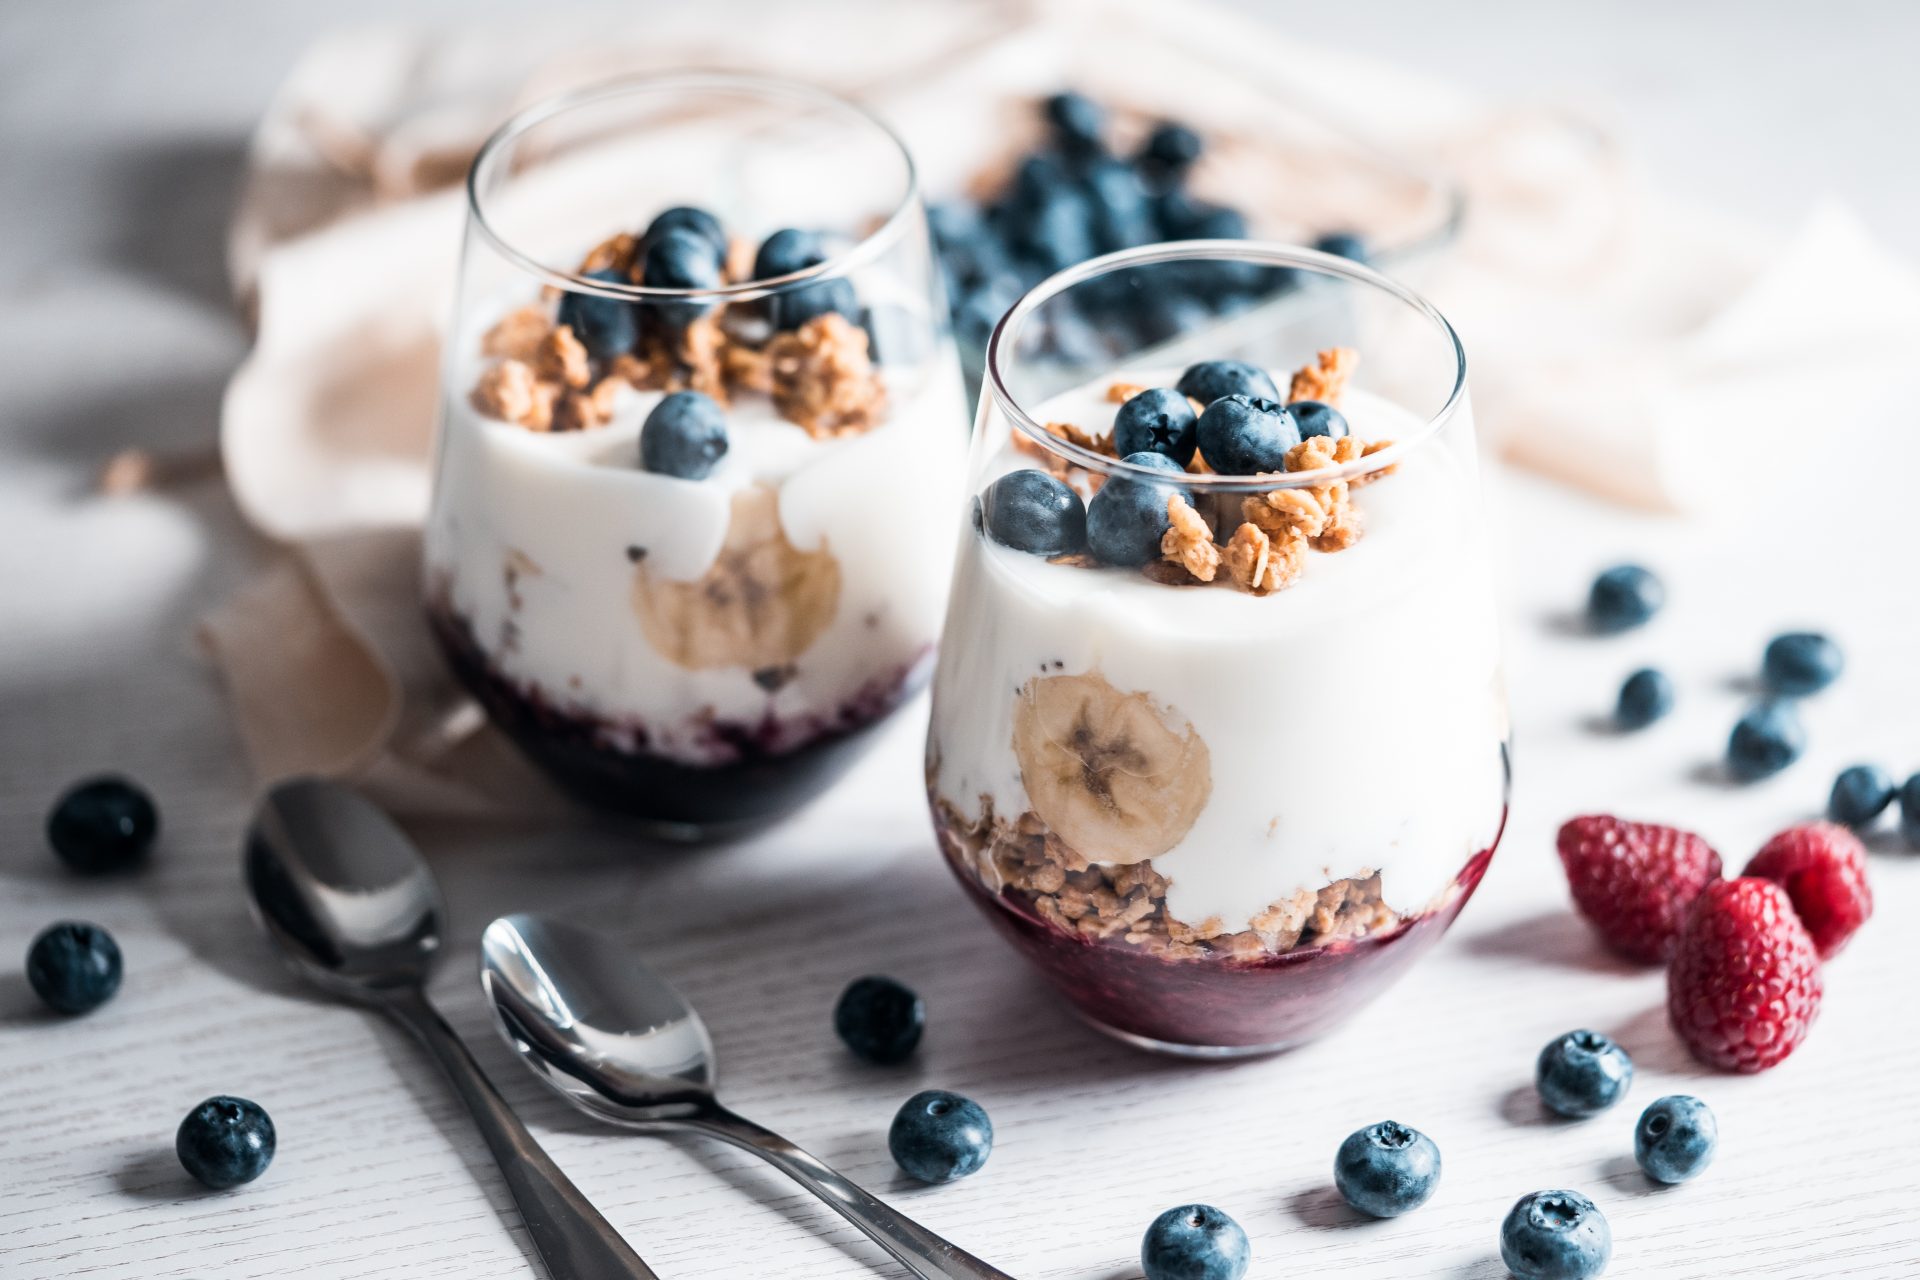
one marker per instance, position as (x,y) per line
(701,411)
(1219,740)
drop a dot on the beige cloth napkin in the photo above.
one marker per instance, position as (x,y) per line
(1641,350)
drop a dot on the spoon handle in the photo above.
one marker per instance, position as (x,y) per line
(921,1251)
(574,1241)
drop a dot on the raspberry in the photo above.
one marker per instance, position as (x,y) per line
(1823,868)
(1634,880)
(1744,985)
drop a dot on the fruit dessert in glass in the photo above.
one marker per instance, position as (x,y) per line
(701,414)
(1218,734)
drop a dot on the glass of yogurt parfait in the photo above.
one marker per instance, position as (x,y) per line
(1219,740)
(702,421)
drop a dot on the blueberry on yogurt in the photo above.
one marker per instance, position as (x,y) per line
(684,436)
(1194,1242)
(1243,436)
(940,1137)
(1316,419)
(1211,379)
(813,299)
(1159,420)
(605,326)
(695,222)
(1032,511)
(1128,517)
(787,251)
(677,259)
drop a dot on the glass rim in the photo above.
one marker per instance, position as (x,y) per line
(1264,253)
(535,114)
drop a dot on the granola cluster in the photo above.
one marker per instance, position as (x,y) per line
(1128,903)
(820,375)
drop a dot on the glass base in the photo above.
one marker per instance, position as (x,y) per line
(1195,1052)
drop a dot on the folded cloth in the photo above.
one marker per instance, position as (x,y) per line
(1644,351)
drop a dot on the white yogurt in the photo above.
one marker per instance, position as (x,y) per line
(1353,720)
(534,535)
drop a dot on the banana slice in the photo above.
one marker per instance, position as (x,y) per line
(1115,777)
(760,605)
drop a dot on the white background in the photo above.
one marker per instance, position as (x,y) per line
(121,127)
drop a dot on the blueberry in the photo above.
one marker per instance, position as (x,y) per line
(1211,379)
(1675,1138)
(787,251)
(1194,1242)
(1058,230)
(1077,122)
(1122,216)
(102,824)
(1316,419)
(1623,597)
(1156,421)
(74,967)
(605,326)
(1170,150)
(980,310)
(880,1019)
(225,1141)
(1910,810)
(1128,517)
(1555,1235)
(939,1137)
(954,222)
(1344,244)
(1765,740)
(1859,795)
(678,259)
(1035,512)
(815,298)
(1035,178)
(1582,1073)
(1646,696)
(1243,436)
(1801,662)
(1211,222)
(685,436)
(1387,1169)
(697,222)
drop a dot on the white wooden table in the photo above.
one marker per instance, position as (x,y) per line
(121,129)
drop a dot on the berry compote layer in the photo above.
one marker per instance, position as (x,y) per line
(685,561)
(1222,794)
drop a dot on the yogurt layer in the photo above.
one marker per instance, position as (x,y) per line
(1352,722)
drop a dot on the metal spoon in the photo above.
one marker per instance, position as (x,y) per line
(354,906)
(620,1044)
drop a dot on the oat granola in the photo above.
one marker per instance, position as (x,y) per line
(1326,378)
(1188,542)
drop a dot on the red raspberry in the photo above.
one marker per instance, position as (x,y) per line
(1823,868)
(1745,981)
(1634,880)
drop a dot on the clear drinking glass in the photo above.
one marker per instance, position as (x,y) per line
(690,474)
(1220,754)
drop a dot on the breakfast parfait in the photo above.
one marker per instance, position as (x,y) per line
(681,532)
(1218,735)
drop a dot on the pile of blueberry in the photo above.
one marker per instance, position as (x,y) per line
(98,827)
(1074,198)
(1244,429)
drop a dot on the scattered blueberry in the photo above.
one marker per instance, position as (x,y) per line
(1316,419)
(1344,244)
(605,326)
(225,1141)
(787,251)
(684,436)
(1194,1242)
(102,824)
(1200,221)
(1675,1138)
(74,967)
(677,259)
(697,222)
(1646,696)
(1387,1169)
(879,1019)
(1910,810)
(1582,1073)
(1159,420)
(1077,121)
(1859,795)
(940,1137)
(1210,380)
(1765,740)
(1122,216)
(1057,229)
(802,303)
(1170,150)
(1624,597)
(1555,1235)
(1801,662)
(1035,512)
(1241,436)
(1128,517)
